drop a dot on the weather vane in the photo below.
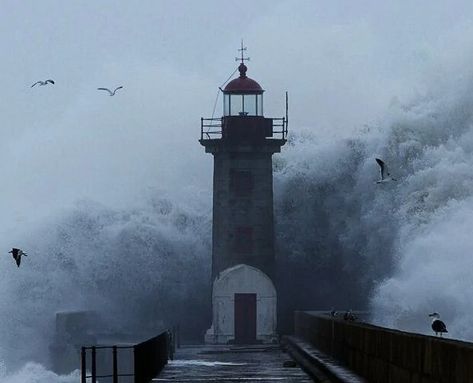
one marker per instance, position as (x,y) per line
(242,50)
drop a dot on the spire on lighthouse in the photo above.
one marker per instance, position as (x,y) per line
(243,84)
(242,67)
(242,51)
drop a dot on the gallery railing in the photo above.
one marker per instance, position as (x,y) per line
(211,128)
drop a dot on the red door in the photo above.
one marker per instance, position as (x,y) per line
(245,318)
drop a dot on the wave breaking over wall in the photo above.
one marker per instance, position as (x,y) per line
(141,269)
(400,249)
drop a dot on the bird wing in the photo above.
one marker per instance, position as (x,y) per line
(108,90)
(51,81)
(37,82)
(120,87)
(439,326)
(442,326)
(382,166)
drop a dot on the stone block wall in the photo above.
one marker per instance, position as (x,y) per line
(384,355)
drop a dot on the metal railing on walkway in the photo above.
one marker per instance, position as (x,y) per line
(149,358)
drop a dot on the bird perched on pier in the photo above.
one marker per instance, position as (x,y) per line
(385,176)
(437,325)
(42,83)
(17,253)
(110,93)
(349,316)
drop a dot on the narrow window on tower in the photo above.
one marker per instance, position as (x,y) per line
(243,239)
(241,182)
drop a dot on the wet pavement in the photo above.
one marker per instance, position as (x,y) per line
(211,363)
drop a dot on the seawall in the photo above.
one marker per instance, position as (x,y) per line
(385,355)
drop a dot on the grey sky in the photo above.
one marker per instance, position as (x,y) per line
(343,63)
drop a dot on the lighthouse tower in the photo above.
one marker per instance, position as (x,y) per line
(242,143)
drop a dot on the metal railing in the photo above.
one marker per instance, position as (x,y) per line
(94,375)
(211,128)
(282,124)
(149,358)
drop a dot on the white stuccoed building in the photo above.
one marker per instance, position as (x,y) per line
(244,307)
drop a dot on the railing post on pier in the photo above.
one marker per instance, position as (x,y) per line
(115,365)
(174,336)
(201,128)
(83,365)
(178,337)
(94,365)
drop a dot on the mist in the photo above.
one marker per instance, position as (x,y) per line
(111,196)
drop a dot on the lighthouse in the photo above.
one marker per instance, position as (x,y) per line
(242,142)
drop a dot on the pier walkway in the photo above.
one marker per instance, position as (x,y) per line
(218,363)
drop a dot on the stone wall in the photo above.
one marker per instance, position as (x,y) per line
(243,228)
(384,355)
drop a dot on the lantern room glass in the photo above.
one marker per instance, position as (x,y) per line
(242,104)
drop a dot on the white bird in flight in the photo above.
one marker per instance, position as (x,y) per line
(385,176)
(109,91)
(42,83)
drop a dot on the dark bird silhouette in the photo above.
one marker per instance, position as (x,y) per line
(349,316)
(17,253)
(437,325)
(42,83)
(110,93)
(385,176)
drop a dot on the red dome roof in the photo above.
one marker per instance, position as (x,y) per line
(243,84)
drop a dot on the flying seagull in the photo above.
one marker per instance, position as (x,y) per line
(437,325)
(385,176)
(17,253)
(42,83)
(109,91)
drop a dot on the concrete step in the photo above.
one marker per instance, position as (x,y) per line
(321,367)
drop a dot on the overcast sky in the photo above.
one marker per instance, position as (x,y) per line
(343,63)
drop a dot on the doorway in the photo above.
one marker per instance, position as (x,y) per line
(245,318)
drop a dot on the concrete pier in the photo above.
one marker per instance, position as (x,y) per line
(225,363)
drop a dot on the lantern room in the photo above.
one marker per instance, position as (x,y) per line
(242,120)
(243,96)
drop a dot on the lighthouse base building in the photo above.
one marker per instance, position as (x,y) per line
(242,142)
(243,307)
